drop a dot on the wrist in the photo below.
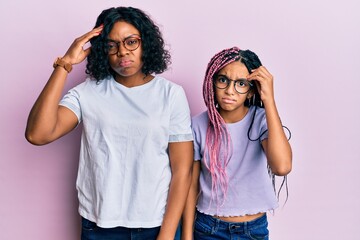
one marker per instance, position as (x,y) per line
(268,102)
(59,62)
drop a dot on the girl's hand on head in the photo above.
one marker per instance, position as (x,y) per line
(76,52)
(264,83)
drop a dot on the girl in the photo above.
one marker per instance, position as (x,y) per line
(136,146)
(237,142)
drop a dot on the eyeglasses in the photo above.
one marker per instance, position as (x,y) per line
(131,43)
(241,85)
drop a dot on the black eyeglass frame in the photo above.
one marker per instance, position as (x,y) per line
(134,36)
(235,81)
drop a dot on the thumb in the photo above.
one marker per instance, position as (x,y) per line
(87,51)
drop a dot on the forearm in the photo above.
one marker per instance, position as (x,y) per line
(188,217)
(278,149)
(178,192)
(43,115)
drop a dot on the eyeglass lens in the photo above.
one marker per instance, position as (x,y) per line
(130,43)
(241,85)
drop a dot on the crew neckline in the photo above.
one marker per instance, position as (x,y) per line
(246,116)
(142,86)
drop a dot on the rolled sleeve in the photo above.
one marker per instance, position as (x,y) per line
(71,101)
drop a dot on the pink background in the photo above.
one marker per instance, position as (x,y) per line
(311,47)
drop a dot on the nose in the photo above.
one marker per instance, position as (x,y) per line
(230,89)
(122,51)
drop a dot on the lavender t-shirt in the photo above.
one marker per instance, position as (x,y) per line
(250,188)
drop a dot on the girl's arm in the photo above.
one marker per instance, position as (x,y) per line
(181,159)
(276,146)
(188,217)
(47,120)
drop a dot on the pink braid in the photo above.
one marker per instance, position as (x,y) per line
(218,145)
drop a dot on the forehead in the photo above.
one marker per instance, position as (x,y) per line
(235,70)
(122,30)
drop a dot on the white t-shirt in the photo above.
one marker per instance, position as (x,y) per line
(124,169)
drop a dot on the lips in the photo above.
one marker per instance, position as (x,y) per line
(125,63)
(228,100)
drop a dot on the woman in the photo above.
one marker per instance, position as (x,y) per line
(136,146)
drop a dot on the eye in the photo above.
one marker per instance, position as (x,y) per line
(112,45)
(242,83)
(222,79)
(131,41)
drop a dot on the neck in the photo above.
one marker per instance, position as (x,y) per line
(133,81)
(234,116)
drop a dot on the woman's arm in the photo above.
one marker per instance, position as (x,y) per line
(276,146)
(188,217)
(181,158)
(47,120)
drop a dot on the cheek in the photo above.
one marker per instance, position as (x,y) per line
(139,59)
(217,94)
(112,62)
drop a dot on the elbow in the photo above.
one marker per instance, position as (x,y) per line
(283,170)
(280,165)
(34,139)
(183,175)
(188,178)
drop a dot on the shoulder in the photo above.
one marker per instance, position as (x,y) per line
(200,117)
(92,83)
(199,125)
(257,118)
(170,91)
(259,112)
(167,84)
(200,120)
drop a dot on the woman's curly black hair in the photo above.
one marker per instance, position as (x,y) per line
(155,58)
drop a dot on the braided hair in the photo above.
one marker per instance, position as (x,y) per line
(218,145)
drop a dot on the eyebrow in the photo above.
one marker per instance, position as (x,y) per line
(239,79)
(130,36)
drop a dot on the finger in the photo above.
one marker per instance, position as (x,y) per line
(255,74)
(252,74)
(260,74)
(264,72)
(77,51)
(89,35)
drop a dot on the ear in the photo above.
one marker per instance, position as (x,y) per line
(249,100)
(250,94)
